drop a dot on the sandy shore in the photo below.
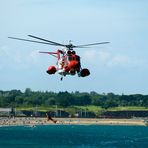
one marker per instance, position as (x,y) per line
(85,121)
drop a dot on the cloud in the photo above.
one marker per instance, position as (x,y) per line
(112,60)
(119,60)
(8,54)
(19,59)
(33,56)
(89,55)
(104,56)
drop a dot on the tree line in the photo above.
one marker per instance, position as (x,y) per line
(29,98)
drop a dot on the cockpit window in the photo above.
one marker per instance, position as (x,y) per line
(73,52)
(68,52)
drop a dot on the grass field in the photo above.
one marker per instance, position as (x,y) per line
(74,109)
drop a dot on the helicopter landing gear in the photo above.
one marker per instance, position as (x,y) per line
(61,78)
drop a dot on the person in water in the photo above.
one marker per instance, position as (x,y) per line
(50,118)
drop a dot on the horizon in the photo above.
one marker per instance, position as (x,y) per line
(99,93)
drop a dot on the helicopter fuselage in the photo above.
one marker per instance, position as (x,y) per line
(68,64)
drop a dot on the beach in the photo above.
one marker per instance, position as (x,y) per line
(31,121)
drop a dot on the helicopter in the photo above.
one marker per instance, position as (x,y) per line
(68,62)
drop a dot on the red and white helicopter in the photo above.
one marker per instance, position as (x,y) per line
(68,62)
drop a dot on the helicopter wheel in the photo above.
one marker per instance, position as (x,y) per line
(61,78)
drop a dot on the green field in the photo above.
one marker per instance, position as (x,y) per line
(74,109)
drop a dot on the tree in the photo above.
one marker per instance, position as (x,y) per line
(28,92)
(109,104)
(63,99)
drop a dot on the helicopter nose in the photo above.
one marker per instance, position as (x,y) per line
(73,64)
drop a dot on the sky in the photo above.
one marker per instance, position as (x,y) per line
(120,67)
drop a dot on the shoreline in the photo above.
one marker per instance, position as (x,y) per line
(32,121)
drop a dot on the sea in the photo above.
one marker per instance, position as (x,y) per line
(74,136)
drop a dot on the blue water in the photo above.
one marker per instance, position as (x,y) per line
(74,136)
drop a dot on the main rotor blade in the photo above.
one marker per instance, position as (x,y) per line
(30,41)
(81,46)
(55,43)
